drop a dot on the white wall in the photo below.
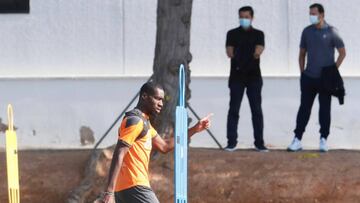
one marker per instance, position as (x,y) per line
(212,19)
(281,20)
(72,39)
(76,38)
(50,113)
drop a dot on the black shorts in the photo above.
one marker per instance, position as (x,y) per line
(137,194)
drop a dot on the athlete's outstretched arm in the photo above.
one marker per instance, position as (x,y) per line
(167,144)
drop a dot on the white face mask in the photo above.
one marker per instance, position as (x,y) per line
(314,19)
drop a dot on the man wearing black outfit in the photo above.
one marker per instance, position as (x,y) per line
(244,45)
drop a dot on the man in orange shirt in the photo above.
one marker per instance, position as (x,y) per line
(129,176)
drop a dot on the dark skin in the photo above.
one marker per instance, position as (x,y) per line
(150,105)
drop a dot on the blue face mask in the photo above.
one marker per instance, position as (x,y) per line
(245,23)
(314,19)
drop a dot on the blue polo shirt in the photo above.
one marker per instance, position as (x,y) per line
(320,46)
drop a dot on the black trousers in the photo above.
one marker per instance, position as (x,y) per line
(136,194)
(310,87)
(253,92)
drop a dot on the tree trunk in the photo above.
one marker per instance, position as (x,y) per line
(172,49)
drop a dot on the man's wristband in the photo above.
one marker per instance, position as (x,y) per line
(109,193)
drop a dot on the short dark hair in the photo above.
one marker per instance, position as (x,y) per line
(149,88)
(247,8)
(319,7)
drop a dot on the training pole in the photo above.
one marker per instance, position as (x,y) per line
(181,143)
(12,159)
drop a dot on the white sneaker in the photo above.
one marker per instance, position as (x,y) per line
(323,147)
(295,145)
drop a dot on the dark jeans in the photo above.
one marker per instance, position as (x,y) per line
(253,92)
(310,87)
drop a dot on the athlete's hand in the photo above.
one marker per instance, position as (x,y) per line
(105,198)
(203,124)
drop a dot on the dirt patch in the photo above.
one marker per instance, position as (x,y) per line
(45,176)
(214,176)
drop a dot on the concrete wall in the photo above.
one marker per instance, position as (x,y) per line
(50,113)
(76,38)
(56,61)
(281,20)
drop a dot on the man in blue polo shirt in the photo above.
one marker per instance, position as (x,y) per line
(318,43)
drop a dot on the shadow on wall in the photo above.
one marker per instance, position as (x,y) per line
(86,136)
(4,127)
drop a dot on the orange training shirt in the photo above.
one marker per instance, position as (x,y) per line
(135,167)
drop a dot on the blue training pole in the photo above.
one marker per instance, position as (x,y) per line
(181,143)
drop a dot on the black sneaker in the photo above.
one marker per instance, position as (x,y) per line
(230,148)
(261,148)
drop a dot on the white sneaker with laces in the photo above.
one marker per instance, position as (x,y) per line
(323,147)
(295,145)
